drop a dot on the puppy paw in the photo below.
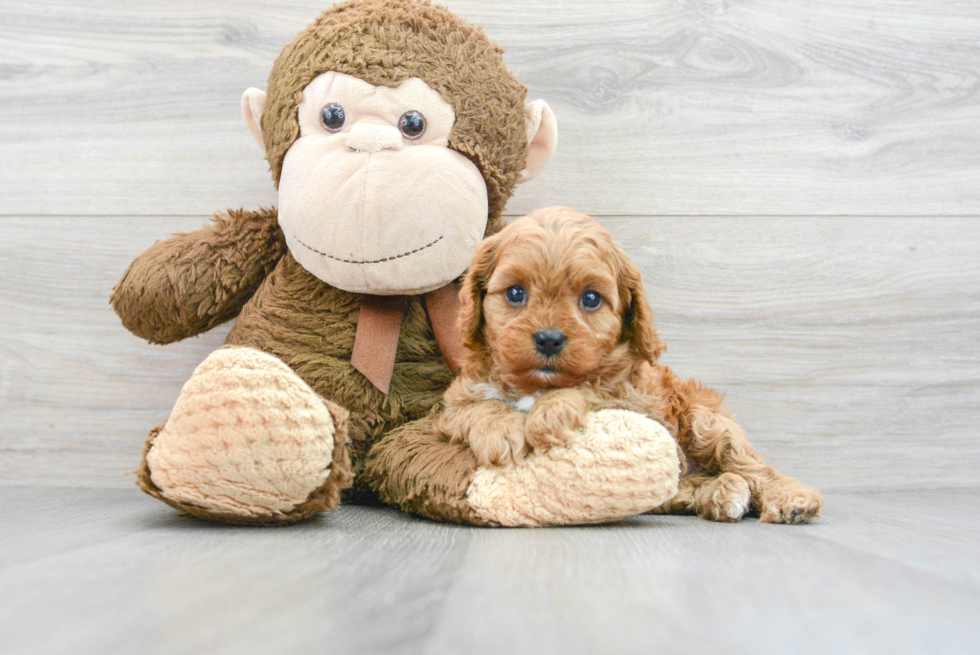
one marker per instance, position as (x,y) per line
(554,419)
(787,500)
(498,443)
(725,498)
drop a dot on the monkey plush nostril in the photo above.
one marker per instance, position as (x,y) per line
(549,342)
(371,137)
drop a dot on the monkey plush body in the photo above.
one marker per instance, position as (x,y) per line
(395,134)
(286,312)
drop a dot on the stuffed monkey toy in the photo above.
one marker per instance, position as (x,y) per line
(395,134)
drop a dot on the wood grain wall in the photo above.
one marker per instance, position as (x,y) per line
(799,181)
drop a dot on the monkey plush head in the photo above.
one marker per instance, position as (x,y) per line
(395,135)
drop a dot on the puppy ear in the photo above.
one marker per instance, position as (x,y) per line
(470,322)
(639,331)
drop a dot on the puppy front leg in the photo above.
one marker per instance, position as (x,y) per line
(554,417)
(493,430)
(718,443)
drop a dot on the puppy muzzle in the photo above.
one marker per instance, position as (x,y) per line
(549,342)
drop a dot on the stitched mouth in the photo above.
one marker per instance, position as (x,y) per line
(368,261)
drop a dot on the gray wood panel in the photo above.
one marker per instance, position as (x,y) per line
(111,571)
(847,346)
(701,107)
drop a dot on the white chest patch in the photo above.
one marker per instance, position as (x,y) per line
(493,392)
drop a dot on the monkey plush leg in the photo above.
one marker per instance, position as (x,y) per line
(619,465)
(248,442)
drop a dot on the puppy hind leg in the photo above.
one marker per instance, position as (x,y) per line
(787,500)
(718,443)
(722,497)
(685,501)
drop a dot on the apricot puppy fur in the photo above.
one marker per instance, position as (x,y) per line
(556,324)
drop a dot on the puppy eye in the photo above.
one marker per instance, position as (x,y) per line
(332,117)
(590,300)
(515,295)
(412,124)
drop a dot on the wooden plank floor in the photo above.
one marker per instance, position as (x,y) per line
(112,571)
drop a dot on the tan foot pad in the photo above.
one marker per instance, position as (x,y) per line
(620,465)
(246,438)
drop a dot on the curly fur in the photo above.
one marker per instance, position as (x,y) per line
(609,361)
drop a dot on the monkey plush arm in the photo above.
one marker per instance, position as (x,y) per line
(192,282)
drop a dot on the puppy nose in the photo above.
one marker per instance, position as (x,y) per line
(549,342)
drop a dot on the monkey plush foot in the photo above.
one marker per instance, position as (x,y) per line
(248,442)
(620,465)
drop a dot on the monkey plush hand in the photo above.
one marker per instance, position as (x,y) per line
(395,134)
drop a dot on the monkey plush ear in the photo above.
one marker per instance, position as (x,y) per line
(253,104)
(542,138)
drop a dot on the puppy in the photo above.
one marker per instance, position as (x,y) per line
(556,324)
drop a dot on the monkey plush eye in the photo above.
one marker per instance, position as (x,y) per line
(590,300)
(412,124)
(333,117)
(515,295)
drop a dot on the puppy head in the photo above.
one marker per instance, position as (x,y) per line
(551,301)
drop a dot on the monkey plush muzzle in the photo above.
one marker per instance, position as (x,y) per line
(372,200)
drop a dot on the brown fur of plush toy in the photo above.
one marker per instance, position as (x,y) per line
(407,39)
(193,282)
(239,265)
(415,468)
